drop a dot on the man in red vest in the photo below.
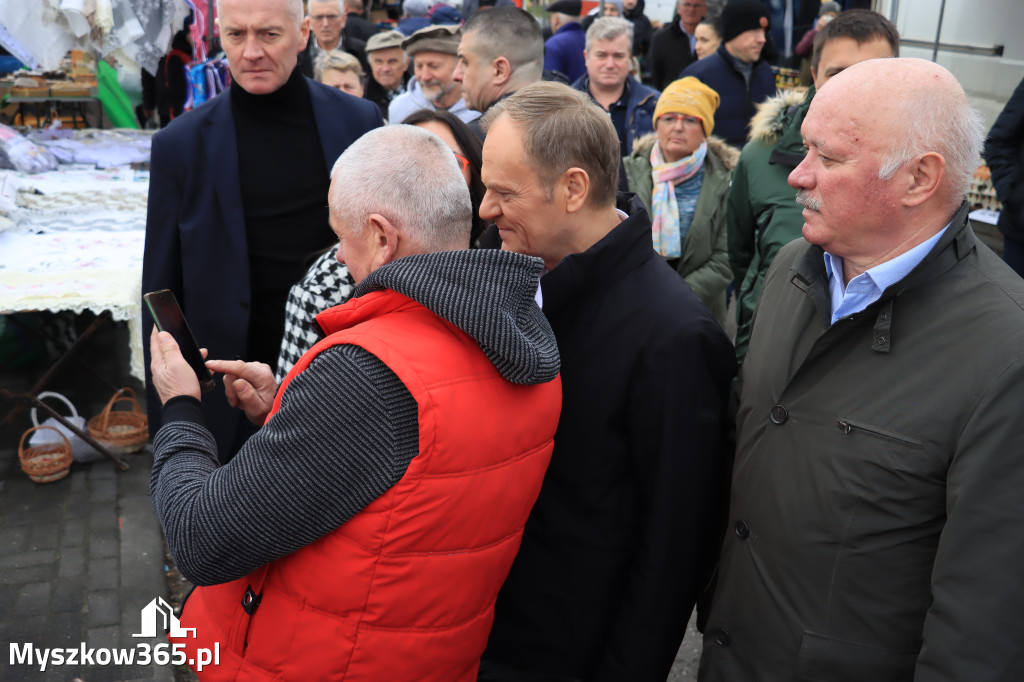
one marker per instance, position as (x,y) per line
(364,531)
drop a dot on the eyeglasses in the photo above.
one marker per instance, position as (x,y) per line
(463,161)
(671,119)
(329,18)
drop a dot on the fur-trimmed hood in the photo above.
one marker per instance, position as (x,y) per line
(770,119)
(722,149)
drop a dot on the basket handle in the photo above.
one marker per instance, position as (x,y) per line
(53,394)
(21,443)
(122,395)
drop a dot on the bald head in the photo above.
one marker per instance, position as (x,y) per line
(892,145)
(916,107)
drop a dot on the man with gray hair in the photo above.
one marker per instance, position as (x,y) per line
(630,103)
(236,195)
(622,538)
(388,69)
(433,51)
(501,51)
(876,496)
(381,504)
(328,19)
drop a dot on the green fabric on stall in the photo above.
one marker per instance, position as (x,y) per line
(116,104)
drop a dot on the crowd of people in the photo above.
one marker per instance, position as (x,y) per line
(477,415)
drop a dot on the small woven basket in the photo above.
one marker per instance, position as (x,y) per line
(47,462)
(122,432)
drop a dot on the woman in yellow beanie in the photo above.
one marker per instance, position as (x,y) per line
(682,175)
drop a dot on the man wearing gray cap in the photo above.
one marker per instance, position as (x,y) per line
(433,51)
(388,69)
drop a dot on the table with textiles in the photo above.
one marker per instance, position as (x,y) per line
(72,239)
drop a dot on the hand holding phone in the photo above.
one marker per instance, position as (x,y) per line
(167,317)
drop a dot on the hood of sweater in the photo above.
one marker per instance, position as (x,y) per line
(486,293)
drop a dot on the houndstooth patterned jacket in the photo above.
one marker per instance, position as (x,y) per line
(326,284)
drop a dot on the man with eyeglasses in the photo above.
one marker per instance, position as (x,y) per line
(672,47)
(327,20)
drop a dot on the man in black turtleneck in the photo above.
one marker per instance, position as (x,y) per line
(238,195)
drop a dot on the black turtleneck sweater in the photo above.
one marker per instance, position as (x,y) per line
(284,181)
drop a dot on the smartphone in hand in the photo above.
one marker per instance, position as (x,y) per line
(167,316)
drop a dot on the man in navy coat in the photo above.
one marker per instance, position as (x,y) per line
(238,195)
(737,71)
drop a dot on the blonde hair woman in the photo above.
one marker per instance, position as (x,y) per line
(342,71)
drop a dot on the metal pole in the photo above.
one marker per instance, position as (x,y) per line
(938,32)
(210,10)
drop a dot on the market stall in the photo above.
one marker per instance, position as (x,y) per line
(72,238)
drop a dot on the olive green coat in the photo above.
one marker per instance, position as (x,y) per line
(877,499)
(704,262)
(763,214)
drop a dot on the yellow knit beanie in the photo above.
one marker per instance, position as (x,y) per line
(690,97)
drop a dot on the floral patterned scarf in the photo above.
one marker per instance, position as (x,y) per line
(665,221)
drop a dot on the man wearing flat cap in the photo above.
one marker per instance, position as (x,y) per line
(434,53)
(388,69)
(563,51)
(736,71)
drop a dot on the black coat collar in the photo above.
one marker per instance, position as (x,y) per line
(627,247)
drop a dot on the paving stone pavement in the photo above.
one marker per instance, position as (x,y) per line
(81,557)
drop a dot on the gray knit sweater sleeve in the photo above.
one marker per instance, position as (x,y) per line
(346,432)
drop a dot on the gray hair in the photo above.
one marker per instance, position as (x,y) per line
(294,8)
(337,60)
(511,33)
(937,120)
(562,128)
(339,3)
(609,28)
(409,176)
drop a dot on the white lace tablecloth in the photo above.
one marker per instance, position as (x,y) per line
(77,246)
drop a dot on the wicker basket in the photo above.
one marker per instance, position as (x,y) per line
(121,432)
(47,462)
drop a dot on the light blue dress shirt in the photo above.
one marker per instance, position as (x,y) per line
(868,287)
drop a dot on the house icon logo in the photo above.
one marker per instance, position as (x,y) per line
(158,615)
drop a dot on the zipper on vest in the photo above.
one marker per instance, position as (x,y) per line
(847,426)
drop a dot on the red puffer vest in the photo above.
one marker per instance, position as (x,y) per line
(405,589)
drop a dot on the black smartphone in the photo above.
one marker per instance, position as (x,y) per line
(167,316)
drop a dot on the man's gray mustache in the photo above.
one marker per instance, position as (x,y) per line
(804,198)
